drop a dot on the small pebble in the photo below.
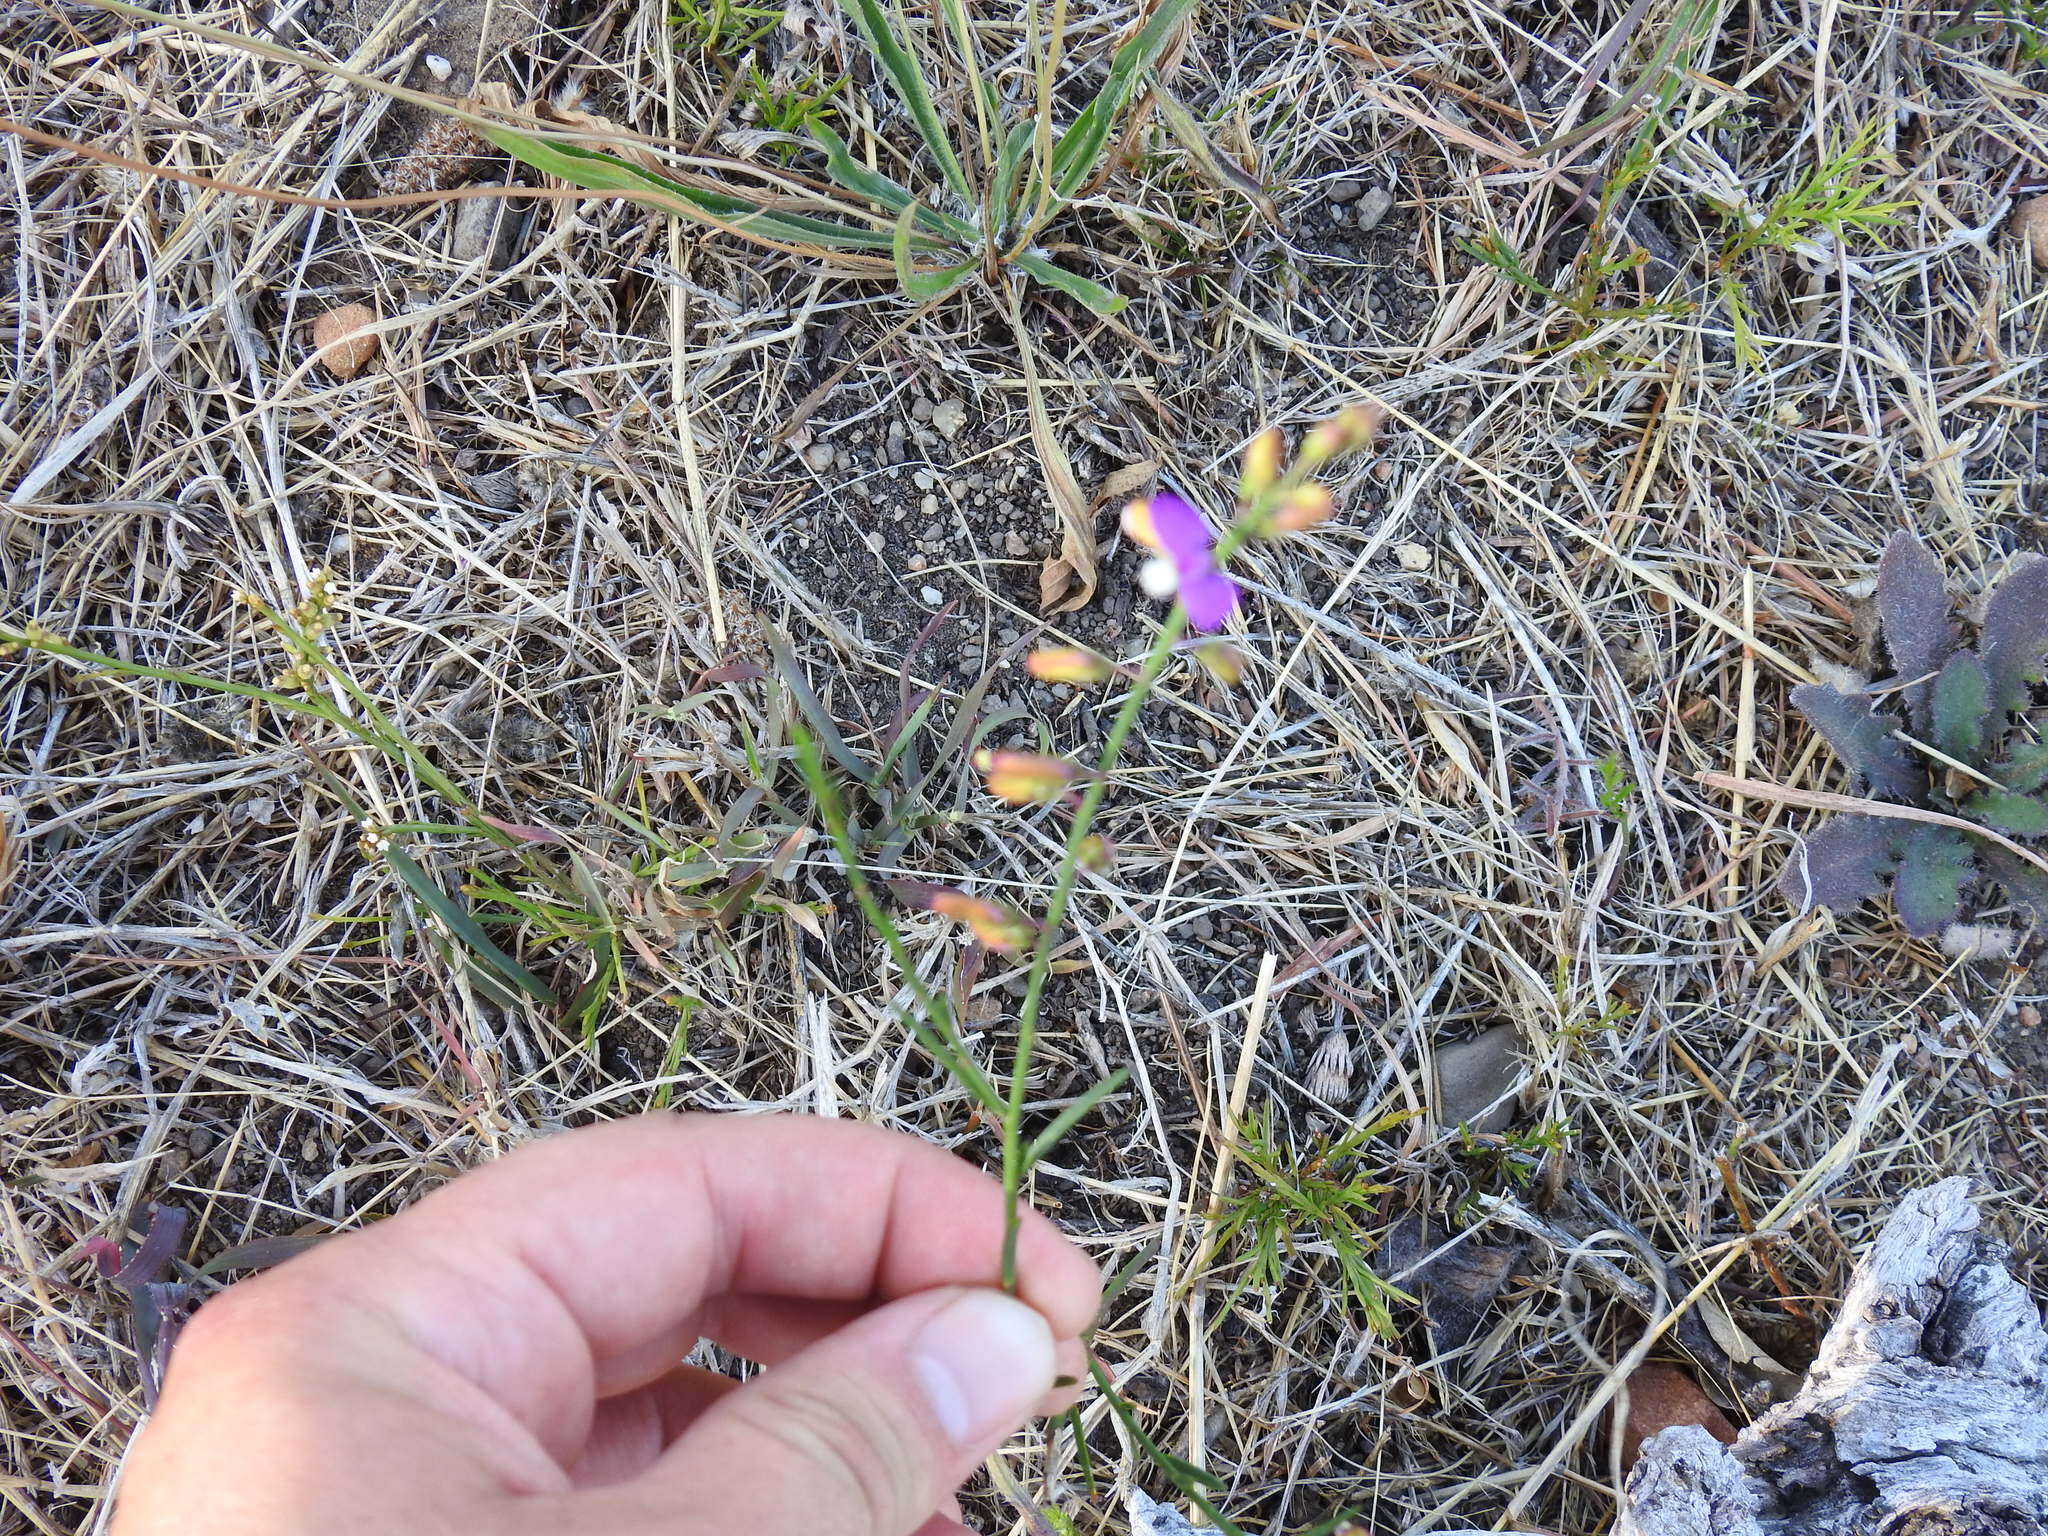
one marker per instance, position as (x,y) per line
(949,416)
(1373,207)
(929,506)
(1413,557)
(920,409)
(820,456)
(1346,191)
(932,596)
(437,66)
(876,542)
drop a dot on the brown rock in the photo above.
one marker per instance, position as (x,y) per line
(2030,223)
(1660,1396)
(339,340)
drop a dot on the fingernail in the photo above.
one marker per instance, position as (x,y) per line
(983,1360)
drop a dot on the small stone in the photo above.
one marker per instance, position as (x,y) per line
(929,506)
(1472,1075)
(1014,545)
(1346,191)
(949,416)
(2030,223)
(1413,557)
(920,409)
(932,596)
(1374,206)
(339,343)
(917,562)
(876,542)
(1660,1397)
(437,66)
(820,456)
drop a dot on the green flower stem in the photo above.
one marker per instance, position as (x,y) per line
(1014,1139)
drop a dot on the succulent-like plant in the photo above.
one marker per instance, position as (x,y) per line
(1949,731)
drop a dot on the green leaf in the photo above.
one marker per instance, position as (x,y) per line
(1934,862)
(1962,705)
(1862,738)
(1072,1115)
(723,210)
(2025,768)
(1080,148)
(923,284)
(1009,163)
(487,961)
(855,177)
(808,705)
(878,31)
(1089,292)
(2017,815)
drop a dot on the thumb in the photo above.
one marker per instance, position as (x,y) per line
(865,1432)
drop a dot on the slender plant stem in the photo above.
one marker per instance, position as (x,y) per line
(1014,1140)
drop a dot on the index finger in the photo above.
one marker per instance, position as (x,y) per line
(527,1276)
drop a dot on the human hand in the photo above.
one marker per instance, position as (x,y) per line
(504,1356)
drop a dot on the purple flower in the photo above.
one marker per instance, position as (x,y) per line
(1185,562)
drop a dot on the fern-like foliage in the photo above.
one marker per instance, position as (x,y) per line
(1967,706)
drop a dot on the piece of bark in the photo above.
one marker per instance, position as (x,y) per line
(1925,1413)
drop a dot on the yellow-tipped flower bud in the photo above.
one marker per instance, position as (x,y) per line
(1067,664)
(1261,464)
(1024,778)
(1222,660)
(998,927)
(1346,432)
(1303,507)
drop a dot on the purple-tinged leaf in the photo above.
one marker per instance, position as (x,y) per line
(1862,738)
(1962,706)
(2026,886)
(1912,611)
(1841,863)
(2015,634)
(2017,815)
(1934,864)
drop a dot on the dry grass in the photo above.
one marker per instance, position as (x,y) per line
(570,485)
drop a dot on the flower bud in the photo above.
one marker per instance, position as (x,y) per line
(1346,432)
(1097,854)
(998,927)
(1261,465)
(1067,664)
(1303,507)
(1222,660)
(1024,778)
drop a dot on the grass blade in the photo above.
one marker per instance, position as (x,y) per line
(878,31)
(722,210)
(1091,293)
(1080,148)
(1072,1115)
(465,930)
(923,283)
